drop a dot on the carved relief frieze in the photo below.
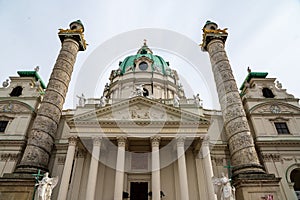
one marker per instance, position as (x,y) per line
(9,156)
(269,157)
(276,157)
(41,139)
(216,46)
(54,98)
(13,107)
(245,156)
(64,65)
(218,56)
(230,98)
(240,141)
(225,77)
(220,66)
(45,124)
(275,108)
(50,111)
(139,112)
(226,88)
(233,112)
(237,126)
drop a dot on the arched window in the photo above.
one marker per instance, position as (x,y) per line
(3,125)
(267,93)
(17,91)
(146,93)
(295,178)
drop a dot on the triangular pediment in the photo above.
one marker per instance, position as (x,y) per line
(139,109)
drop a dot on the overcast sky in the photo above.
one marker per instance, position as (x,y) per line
(264,35)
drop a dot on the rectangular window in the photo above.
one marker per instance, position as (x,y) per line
(3,125)
(281,128)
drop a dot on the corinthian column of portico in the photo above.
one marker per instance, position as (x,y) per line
(183,182)
(66,175)
(208,168)
(243,154)
(120,166)
(41,136)
(92,178)
(155,176)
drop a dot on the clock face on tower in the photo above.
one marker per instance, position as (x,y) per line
(143,66)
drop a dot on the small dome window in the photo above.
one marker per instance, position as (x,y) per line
(17,91)
(143,51)
(267,93)
(143,66)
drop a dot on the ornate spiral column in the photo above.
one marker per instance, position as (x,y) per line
(155,176)
(92,178)
(66,175)
(243,154)
(41,136)
(183,182)
(119,179)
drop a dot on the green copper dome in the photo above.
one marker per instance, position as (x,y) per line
(158,63)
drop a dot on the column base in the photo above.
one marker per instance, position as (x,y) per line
(256,186)
(29,170)
(252,168)
(17,186)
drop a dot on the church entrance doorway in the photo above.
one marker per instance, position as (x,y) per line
(138,190)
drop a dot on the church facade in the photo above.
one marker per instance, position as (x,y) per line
(144,138)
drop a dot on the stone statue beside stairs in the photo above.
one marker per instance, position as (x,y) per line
(223,188)
(45,187)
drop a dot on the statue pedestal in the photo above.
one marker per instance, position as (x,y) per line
(257,186)
(17,186)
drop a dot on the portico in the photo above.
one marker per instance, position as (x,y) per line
(148,176)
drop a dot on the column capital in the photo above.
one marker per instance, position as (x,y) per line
(75,32)
(205,140)
(121,141)
(212,32)
(180,141)
(72,140)
(155,141)
(97,140)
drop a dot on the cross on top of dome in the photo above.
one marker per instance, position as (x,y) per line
(144,49)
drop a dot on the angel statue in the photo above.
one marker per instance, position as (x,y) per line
(81,100)
(176,100)
(45,187)
(103,101)
(139,90)
(223,188)
(197,100)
